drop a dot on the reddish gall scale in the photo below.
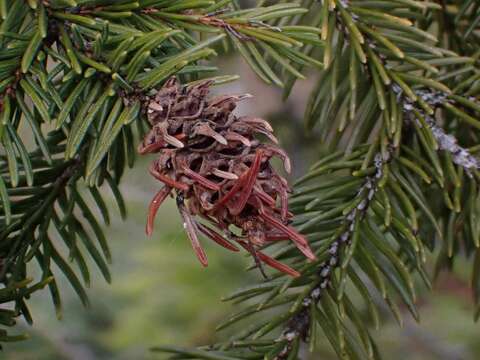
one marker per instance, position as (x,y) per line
(225,186)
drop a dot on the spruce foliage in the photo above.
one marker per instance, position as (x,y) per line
(397,104)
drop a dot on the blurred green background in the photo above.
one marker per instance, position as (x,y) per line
(161,295)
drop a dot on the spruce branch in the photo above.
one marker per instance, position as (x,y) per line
(435,99)
(417,102)
(396,108)
(340,253)
(75,72)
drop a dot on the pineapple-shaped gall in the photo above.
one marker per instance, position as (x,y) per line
(225,186)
